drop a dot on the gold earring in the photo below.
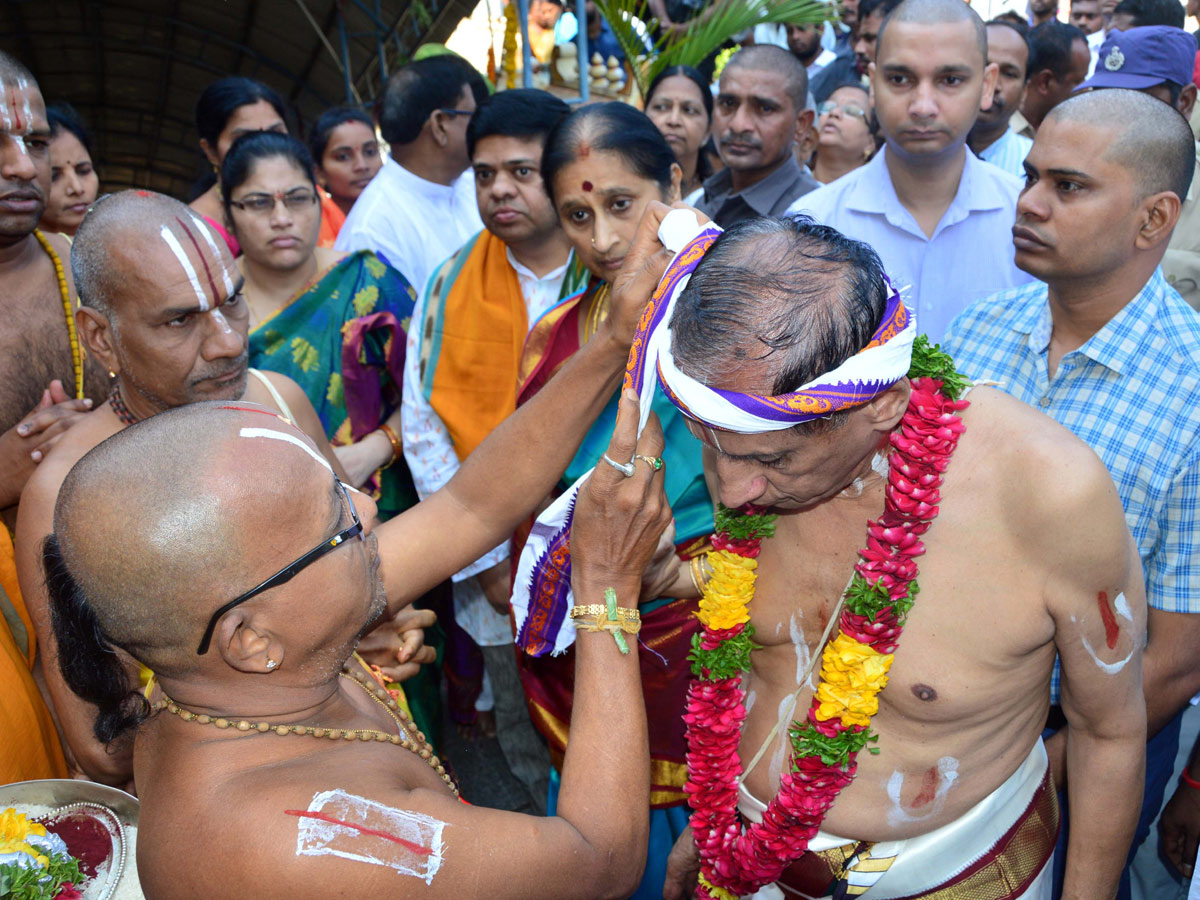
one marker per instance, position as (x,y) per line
(271,664)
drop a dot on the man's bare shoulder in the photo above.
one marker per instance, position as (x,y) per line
(1048,480)
(80,439)
(339,812)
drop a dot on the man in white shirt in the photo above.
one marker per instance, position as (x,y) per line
(460,374)
(939,217)
(421,206)
(992,138)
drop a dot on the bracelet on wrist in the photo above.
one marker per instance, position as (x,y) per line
(609,617)
(394,439)
(1185,778)
(700,574)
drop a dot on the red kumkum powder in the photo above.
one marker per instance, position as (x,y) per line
(87,840)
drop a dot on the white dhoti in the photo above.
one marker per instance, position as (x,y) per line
(1000,849)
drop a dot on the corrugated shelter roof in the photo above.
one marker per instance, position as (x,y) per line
(134,68)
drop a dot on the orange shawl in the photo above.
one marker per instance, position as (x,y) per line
(29,744)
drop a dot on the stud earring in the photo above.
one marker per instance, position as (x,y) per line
(271,664)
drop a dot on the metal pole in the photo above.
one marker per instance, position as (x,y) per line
(581,38)
(379,38)
(345,54)
(526,52)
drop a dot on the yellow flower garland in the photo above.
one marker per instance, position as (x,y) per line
(726,600)
(852,674)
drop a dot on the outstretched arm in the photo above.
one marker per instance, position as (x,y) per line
(595,846)
(517,466)
(1099,609)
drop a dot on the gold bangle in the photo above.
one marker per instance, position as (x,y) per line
(599,609)
(609,617)
(394,440)
(700,577)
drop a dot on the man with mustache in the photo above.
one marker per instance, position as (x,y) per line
(937,216)
(992,138)
(760,110)
(1103,344)
(163,311)
(46,387)
(480,304)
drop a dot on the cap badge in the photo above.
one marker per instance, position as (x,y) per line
(1114,60)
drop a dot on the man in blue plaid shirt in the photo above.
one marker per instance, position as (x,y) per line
(1107,348)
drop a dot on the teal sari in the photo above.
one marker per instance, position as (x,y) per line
(342,340)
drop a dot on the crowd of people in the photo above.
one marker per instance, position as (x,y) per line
(600,401)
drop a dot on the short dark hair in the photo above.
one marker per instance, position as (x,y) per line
(614,127)
(883,7)
(318,139)
(770,58)
(63,117)
(415,91)
(1012,20)
(812,299)
(222,98)
(930,12)
(1152,12)
(249,149)
(523,113)
(1050,47)
(1152,140)
(1022,31)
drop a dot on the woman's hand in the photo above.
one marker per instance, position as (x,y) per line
(364,458)
(619,519)
(643,268)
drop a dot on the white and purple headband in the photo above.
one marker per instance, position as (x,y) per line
(542,588)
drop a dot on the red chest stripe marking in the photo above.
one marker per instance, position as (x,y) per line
(1111,631)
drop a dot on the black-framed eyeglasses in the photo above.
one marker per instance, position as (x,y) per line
(456,112)
(288,572)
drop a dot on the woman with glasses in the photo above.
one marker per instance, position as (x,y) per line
(845,133)
(228,109)
(333,322)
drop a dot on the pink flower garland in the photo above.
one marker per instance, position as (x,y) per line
(823,761)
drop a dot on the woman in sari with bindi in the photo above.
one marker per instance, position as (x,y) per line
(601,166)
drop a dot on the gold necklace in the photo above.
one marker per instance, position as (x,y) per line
(598,313)
(379,694)
(68,311)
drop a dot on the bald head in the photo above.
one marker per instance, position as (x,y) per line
(1149,138)
(109,253)
(934,12)
(770,58)
(154,555)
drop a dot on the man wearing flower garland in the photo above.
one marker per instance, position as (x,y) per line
(1105,346)
(795,360)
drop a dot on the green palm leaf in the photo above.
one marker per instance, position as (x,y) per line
(706,34)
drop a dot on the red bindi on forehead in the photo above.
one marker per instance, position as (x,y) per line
(587,186)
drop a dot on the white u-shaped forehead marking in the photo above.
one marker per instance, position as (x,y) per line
(274,435)
(23,87)
(190,270)
(206,232)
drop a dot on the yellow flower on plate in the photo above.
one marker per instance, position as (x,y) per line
(727,596)
(14,829)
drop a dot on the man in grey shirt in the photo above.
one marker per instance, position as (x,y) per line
(761,107)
